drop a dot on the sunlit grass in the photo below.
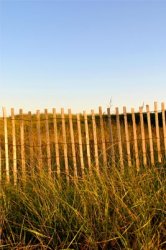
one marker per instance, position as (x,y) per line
(107,211)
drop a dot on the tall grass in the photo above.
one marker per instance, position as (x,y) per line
(112,211)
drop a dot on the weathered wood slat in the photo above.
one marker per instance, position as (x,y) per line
(127,137)
(80,144)
(48,143)
(95,141)
(111,137)
(56,142)
(6,145)
(87,142)
(150,135)
(72,143)
(143,136)
(0,162)
(39,142)
(135,140)
(65,145)
(14,147)
(164,124)
(102,137)
(31,152)
(157,132)
(22,143)
(119,139)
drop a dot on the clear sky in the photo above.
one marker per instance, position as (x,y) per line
(80,54)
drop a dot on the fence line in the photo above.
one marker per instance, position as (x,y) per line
(72,144)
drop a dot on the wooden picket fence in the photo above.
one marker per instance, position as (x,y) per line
(72,144)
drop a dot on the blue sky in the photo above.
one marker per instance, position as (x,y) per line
(80,54)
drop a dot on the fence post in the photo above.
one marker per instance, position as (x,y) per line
(103,137)
(150,135)
(143,136)
(6,145)
(95,141)
(56,142)
(31,143)
(14,146)
(0,162)
(80,144)
(48,143)
(135,140)
(111,137)
(65,145)
(119,139)
(157,132)
(87,141)
(127,137)
(22,142)
(40,162)
(72,143)
(164,125)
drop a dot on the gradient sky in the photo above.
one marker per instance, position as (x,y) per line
(80,54)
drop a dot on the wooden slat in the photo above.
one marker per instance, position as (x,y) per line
(0,162)
(6,145)
(103,137)
(72,143)
(80,144)
(65,145)
(14,146)
(22,143)
(164,125)
(31,153)
(127,137)
(157,132)
(143,136)
(119,139)
(111,137)
(135,140)
(48,143)
(150,135)
(56,142)
(95,141)
(87,141)
(39,142)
